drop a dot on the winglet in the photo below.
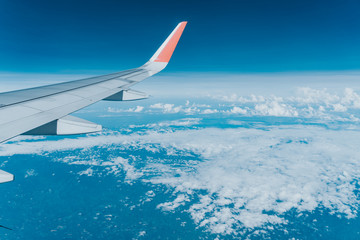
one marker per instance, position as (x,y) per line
(164,53)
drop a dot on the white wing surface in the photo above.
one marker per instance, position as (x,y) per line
(45,110)
(24,111)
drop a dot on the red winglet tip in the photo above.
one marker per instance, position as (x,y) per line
(167,51)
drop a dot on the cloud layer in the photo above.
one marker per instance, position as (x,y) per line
(307,103)
(228,180)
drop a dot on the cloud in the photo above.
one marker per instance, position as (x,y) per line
(171,108)
(131,173)
(351,98)
(180,200)
(113,166)
(201,105)
(339,108)
(185,122)
(137,109)
(275,108)
(30,173)
(167,107)
(236,110)
(306,103)
(241,99)
(209,111)
(241,179)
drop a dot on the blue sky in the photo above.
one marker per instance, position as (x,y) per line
(245,36)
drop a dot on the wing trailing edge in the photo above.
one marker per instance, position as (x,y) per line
(68,125)
(127,95)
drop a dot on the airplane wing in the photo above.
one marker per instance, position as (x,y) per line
(45,110)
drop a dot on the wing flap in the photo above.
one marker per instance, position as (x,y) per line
(127,95)
(68,125)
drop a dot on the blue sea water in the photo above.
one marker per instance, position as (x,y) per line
(203,168)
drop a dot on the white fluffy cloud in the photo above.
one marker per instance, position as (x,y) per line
(238,110)
(137,109)
(167,107)
(275,108)
(244,178)
(209,111)
(184,122)
(306,103)
(172,108)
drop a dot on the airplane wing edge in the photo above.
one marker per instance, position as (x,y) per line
(108,87)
